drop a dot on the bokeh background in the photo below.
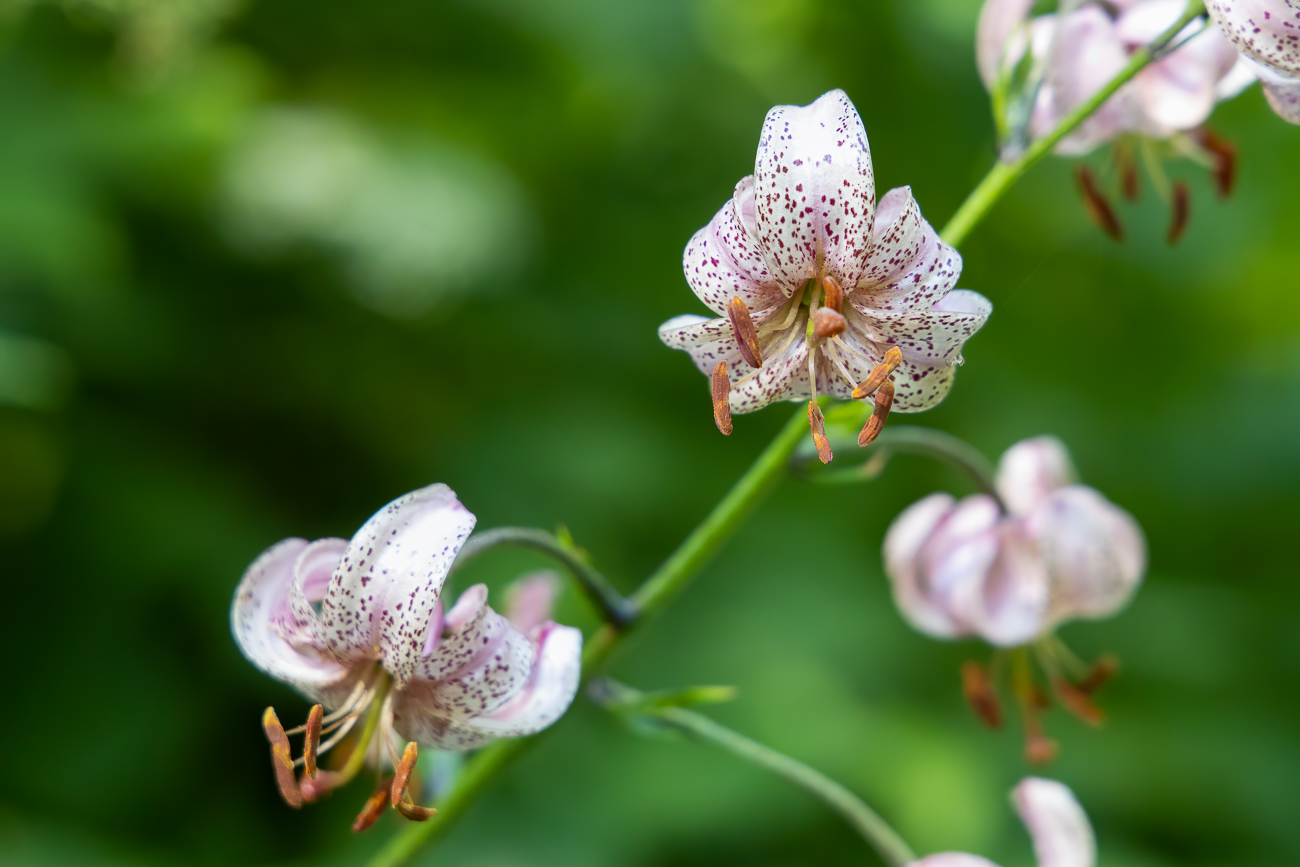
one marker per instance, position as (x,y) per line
(266,265)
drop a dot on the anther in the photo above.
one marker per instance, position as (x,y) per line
(875,424)
(746,334)
(722,398)
(828,323)
(401,799)
(879,373)
(281,759)
(1098,207)
(1224,155)
(1180,208)
(834,294)
(374,807)
(978,689)
(1128,173)
(311,743)
(1077,702)
(1103,671)
(817,422)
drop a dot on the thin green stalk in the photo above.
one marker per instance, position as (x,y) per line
(893,850)
(611,604)
(1003,175)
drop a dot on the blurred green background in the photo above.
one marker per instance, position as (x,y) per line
(266,265)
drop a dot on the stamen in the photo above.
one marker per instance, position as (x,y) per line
(834,294)
(817,422)
(834,353)
(1077,702)
(875,424)
(792,310)
(401,799)
(374,807)
(1224,155)
(1098,207)
(1039,749)
(1103,671)
(977,687)
(341,729)
(1128,173)
(281,759)
(722,398)
(868,386)
(828,323)
(312,742)
(1180,206)
(746,335)
(343,710)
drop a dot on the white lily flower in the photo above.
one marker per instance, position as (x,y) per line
(805,219)
(1267,33)
(1080,51)
(1059,827)
(352,622)
(1062,551)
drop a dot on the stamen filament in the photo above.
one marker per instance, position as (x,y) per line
(343,710)
(358,757)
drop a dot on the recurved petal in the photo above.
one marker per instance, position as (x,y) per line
(722,261)
(530,599)
(814,191)
(1282,93)
(385,590)
(900,237)
(1016,592)
(549,690)
(998,20)
(1095,552)
(1060,829)
(707,341)
(952,859)
(1267,31)
(261,602)
(783,376)
(311,577)
(904,541)
(1031,470)
(955,561)
(1087,54)
(931,275)
(1179,92)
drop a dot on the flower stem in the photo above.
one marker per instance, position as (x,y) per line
(1003,175)
(611,604)
(893,850)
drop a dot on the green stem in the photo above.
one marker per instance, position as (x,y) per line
(866,821)
(1003,175)
(611,604)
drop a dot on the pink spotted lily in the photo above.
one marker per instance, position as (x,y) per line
(1267,33)
(1059,827)
(358,626)
(817,290)
(1010,570)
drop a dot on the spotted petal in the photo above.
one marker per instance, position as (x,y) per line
(1282,92)
(1087,54)
(261,602)
(722,261)
(1267,31)
(1060,829)
(385,590)
(814,190)
(930,274)
(707,341)
(899,237)
(1031,470)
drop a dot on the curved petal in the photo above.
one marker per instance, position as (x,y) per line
(1087,54)
(783,376)
(955,561)
(1060,829)
(904,540)
(1095,552)
(311,577)
(1282,93)
(1179,91)
(998,20)
(814,191)
(386,587)
(261,601)
(1267,31)
(1241,76)
(1016,593)
(952,859)
(707,341)
(530,599)
(722,261)
(1030,470)
(930,276)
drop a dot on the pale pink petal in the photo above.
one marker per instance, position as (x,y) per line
(1241,76)
(1059,827)
(530,599)
(1179,92)
(261,602)
(952,859)
(1031,470)
(954,562)
(550,689)
(814,191)
(707,341)
(1266,30)
(1087,54)
(384,591)
(1016,593)
(903,543)
(783,376)
(1095,552)
(998,21)
(311,577)
(931,275)
(899,239)
(1282,93)
(722,262)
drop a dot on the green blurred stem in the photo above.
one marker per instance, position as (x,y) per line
(893,850)
(1003,175)
(660,588)
(611,604)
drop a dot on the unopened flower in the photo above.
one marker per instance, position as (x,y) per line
(359,627)
(1059,827)
(1267,33)
(814,285)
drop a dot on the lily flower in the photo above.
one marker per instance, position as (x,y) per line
(1010,570)
(358,626)
(1267,33)
(814,287)
(1059,827)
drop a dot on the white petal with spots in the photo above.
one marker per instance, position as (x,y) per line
(1267,31)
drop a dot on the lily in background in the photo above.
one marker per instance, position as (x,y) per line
(816,290)
(1059,827)
(358,626)
(1040,69)
(1011,569)
(1267,33)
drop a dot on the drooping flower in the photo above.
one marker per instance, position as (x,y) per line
(358,626)
(1267,33)
(1011,569)
(1059,827)
(814,285)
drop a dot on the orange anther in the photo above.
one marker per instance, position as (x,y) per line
(746,334)
(374,807)
(817,422)
(281,759)
(1180,210)
(1103,671)
(401,799)
(1224,154)
(722,398)
(1077,702)
(311,740)
(834,294)
(978,689)
(1098,207)
(828,323)
(1040,749)
(879,373)
(875,424)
